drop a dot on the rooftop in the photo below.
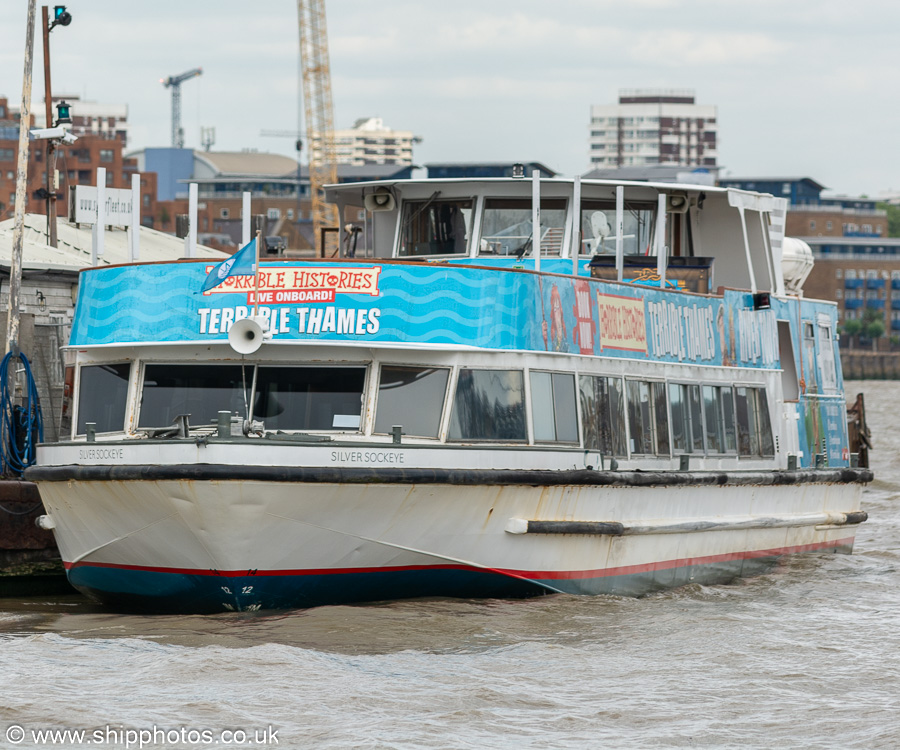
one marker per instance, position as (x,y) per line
(74,251)
(241,163)
(657,173)
(782,178)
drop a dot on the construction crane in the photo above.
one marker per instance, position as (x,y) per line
(295,134)
(174,82)
(319,113)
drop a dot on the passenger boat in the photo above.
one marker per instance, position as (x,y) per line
(632,397)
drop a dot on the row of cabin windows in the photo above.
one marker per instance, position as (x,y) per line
(443,227)
(619,417)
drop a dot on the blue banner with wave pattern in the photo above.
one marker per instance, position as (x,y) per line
(455,305)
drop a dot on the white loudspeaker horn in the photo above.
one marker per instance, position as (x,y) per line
(381,200)
(677,203)
(248,334)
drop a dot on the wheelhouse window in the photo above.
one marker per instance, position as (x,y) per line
(754,428)
(310,398)
(648,417)
(603,415)
(435,227)
(102,397)
(199,390)
(598,227)
(489,405)
(687,423)
(506,227)
(412,397)
(553,407)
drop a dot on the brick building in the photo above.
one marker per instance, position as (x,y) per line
(866,279)
(90,118)
(279,187)
(76,164)
(813,215)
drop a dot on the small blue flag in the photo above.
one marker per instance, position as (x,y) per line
(242,263)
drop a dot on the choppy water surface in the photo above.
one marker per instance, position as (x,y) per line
(806,656)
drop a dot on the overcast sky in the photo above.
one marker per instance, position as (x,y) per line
(803,88)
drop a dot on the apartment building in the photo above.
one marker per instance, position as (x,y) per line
(370,141)
(90,118)
(98,145)
(653,126)
(860,282)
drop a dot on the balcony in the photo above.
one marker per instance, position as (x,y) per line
(852,304)
(895,283)
(895,325)
(895,304)
(853,283)
(875,304)
(875,283)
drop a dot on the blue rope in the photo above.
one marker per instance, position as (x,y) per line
(21,427)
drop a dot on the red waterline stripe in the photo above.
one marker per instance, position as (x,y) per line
(527,575)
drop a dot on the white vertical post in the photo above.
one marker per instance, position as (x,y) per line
(15,270)
(135,236)
(661,239)
(100,221)
(245,218)
(767,246)
(192,220)
(620,232)
(536,217)
(747,250)
(576,223)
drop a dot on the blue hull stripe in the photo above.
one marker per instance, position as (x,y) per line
(159,591)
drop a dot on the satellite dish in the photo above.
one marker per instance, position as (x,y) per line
(600,229)
(600,225)
(248,334)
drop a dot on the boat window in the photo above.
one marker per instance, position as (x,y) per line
(435,227)
(310,398)
(754,427)
(765,426)
(598,227)
(506,227)
(199,390)
(603,415)
(712,408)
(102,397)
(648,417)
(687,423)
(727,398)
(412,397)
(553,407)
(789,381)
(718,408)
(489,405)
(827,366)
(662,418)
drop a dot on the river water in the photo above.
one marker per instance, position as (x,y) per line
(807,656)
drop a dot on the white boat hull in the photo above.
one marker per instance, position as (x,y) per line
(245,544)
